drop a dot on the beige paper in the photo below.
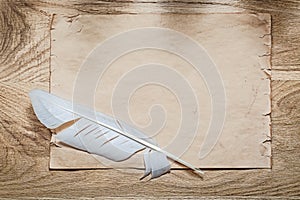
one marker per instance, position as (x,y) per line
(239,45)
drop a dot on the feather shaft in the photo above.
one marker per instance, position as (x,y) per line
(138,140)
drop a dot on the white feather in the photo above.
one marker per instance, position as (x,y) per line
(100,134)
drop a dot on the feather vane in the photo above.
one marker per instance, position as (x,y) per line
(99,134)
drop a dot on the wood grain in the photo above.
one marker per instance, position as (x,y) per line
(25,43)
(24,142)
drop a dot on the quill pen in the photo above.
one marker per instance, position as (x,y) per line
(100,134)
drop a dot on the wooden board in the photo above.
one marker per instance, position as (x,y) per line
(24,64)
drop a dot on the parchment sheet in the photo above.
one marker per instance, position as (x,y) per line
(238,44)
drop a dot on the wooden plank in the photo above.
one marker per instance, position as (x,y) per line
(186,197)
(25,150)
(25,44)
(25,142)
(285,75)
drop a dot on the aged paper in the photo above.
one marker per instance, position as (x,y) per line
(238,44)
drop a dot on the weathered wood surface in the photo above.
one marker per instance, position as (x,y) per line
(24,142)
